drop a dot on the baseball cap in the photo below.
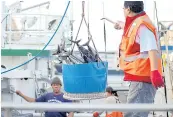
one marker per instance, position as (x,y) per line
(56,80)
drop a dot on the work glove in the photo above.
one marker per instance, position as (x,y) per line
(156,79)
(95,114)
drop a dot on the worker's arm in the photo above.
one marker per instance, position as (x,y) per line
(71,114)
(153,59)
(148,44)
(28,99)
(156,77)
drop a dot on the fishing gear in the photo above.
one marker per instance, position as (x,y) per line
(86,80)
(88,54)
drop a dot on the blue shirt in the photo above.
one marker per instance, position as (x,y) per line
(52,98)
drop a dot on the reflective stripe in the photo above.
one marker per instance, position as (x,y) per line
(135,57)
(132,58)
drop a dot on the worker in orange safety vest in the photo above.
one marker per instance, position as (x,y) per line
(140,57)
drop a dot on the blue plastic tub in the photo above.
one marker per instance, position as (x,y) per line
(85,78)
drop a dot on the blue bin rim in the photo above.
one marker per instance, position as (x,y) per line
(85,63)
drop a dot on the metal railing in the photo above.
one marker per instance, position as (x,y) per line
(88,107)
(74,107)
(17,30)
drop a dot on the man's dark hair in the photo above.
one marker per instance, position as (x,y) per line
(110,90)
(135,6)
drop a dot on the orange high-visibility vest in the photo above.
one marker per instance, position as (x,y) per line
(114,114)
(131,60)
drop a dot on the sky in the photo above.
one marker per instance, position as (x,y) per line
(112,9)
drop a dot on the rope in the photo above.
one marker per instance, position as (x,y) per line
(44,46)
(88,21)
(93,41)
(77,35)
(4,18)
(89,33)
(104,27)
(83,13)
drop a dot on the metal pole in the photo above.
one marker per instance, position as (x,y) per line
(157,20)
(7,113)
(89,107)
(38,5)
(3,25)
(10,34)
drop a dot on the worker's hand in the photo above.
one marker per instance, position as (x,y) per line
(18,93)
(95,114)
(156,79)
(119,25)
